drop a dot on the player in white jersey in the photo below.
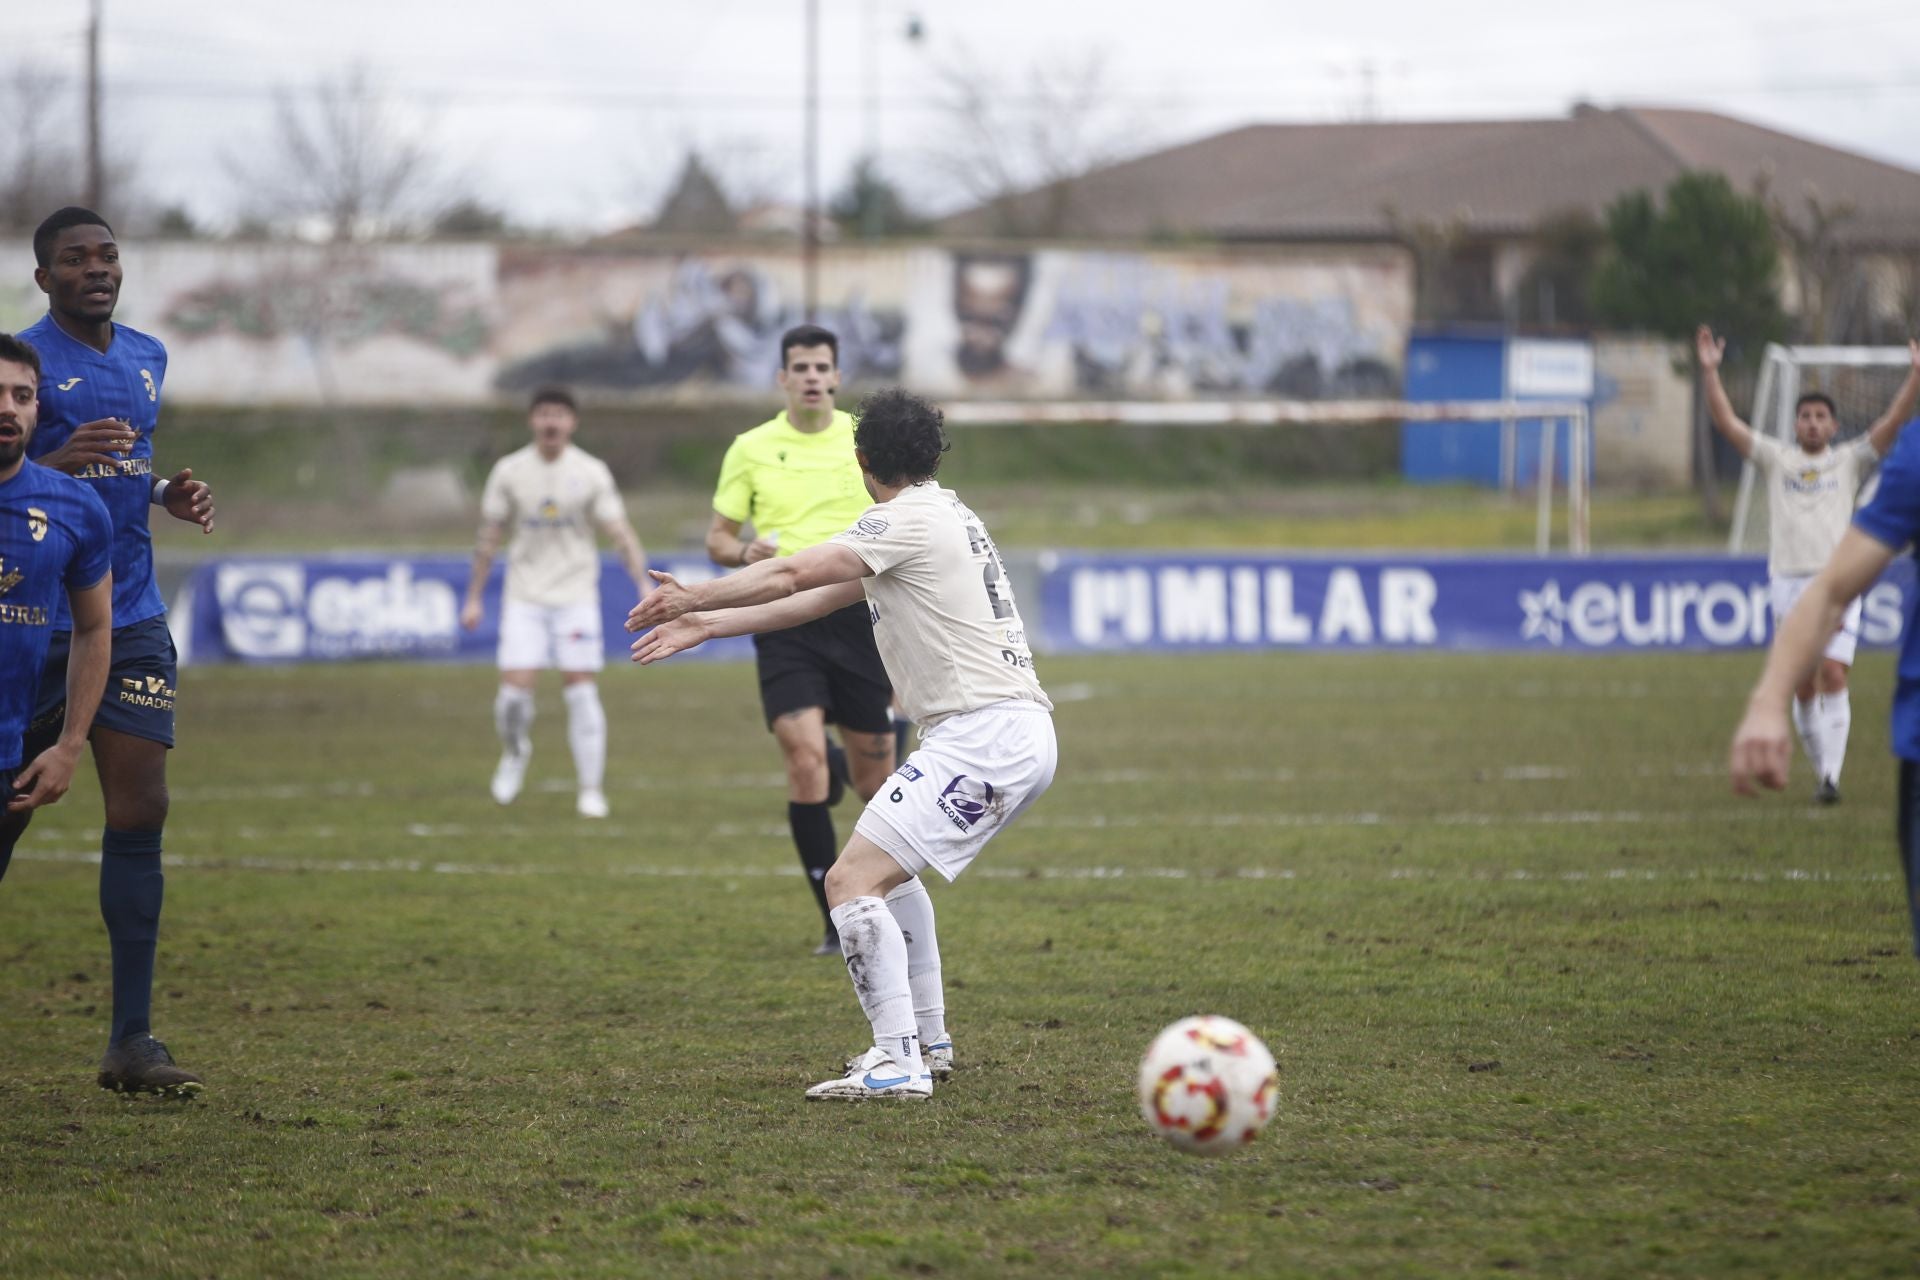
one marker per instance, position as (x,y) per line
(950,635)
(554,496)
(1812,486)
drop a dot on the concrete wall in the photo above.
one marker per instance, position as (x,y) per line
(1643,416)
(447,324)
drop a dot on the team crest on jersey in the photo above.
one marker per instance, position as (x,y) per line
(70,383)
(9,578)
(37,524)
(870,526)
(153,390)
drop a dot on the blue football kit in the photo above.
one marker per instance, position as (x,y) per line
(79,385)
(1892,519)
(55,536)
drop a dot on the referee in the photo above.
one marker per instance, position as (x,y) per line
(795,480)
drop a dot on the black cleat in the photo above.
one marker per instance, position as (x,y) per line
(1828,792)
(141,1064)
(829,945)
(837,775)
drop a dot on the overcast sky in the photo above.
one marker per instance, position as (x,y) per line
(575,113)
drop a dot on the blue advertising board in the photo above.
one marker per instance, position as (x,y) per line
(1103,603)
(266,609)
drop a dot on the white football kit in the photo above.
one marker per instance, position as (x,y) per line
(1810,501)
(950,634)
(550,609)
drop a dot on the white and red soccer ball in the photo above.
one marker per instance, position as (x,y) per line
(1207,1085)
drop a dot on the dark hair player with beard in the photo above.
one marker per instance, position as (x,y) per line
(99,398)
(56,543)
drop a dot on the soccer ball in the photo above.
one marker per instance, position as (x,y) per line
(1207,1085)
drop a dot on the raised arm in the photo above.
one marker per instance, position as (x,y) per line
(1763,744)
(1886,428)
(48,776)
(484,549)
(1711,351)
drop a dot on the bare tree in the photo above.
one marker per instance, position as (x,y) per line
(1825,269)
(39,169)
(1018,145)
(341,156)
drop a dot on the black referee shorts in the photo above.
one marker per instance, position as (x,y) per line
(830,663)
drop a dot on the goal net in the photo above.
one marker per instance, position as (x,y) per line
(1861,381)
(1542,445)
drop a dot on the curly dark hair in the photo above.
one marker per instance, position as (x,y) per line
(902,436)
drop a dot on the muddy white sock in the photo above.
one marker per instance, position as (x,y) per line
(912,910)
(876,954)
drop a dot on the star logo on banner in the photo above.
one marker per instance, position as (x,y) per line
(1546,613)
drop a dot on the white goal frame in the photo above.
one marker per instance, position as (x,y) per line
(1779,386)
(1259,413)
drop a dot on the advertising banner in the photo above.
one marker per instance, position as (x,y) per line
(1096,603)
(290,609)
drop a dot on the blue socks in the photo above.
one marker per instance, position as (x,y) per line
(131,886)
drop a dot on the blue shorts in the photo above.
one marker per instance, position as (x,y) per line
(140,687)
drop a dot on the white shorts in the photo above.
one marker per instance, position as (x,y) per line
(534,636)
(971,775)
(1787,588)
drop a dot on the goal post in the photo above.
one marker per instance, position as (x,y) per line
(1861,381)
(1545,417)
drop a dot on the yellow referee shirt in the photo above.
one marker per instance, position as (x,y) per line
(804,487)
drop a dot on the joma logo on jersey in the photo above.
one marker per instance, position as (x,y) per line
(153,390)
(37,524)
(9,578)
(70,383)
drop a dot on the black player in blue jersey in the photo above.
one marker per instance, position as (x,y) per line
(56,546)
(99,405)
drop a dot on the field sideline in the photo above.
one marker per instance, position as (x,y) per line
(1545,997)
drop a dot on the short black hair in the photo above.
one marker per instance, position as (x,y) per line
(59,220)
(554,395)
(808,335)
(1818,397)
(902,436)
(15,350)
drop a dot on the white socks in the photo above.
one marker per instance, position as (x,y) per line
(1835,712)
(513,718)
(587,733)
(1807,721)
(912,910)
(876,954)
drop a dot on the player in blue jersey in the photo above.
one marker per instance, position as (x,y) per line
(56,544)
(1887,526)
(99,404)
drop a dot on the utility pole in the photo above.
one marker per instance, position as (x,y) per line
(809,214)
(96,180)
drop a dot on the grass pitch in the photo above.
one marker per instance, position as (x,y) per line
(1546,998)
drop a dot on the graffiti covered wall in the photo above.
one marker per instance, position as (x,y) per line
(463,323)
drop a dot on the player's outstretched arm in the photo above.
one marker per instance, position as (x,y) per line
(483,552)
(47,777)
(1886,428)
(188,499)
(1763,744)
(690,630)
(824,565)
(1711,351)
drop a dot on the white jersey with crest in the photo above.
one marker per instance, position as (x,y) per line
(1810,500)
(944,617)
(552,510)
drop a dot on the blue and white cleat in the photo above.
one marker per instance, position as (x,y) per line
(874,1074)
(938,1057)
